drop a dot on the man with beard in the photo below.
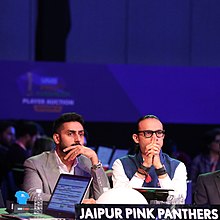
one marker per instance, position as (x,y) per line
(208,159)
(70,157)
(150,167)
(207,190)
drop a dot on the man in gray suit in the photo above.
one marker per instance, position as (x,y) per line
(70,156)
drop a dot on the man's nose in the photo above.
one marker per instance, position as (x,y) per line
(76,137)
(154,137)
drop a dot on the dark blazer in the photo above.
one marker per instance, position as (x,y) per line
(207,189)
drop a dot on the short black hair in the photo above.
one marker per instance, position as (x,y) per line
(210,135)
(143,118)
(67,117)
(136,148)
(208,138)
(26,127)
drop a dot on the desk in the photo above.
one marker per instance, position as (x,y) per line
(130,212)
(5,215)
(3,211)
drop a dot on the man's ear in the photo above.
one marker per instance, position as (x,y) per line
(135,138)
(56,138)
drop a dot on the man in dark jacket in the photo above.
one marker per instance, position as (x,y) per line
(207,189)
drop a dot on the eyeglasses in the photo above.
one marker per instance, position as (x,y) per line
(149,133)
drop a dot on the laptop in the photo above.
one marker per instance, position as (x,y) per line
(104,154)
(69,190)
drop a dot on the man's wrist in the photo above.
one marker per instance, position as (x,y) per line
(158,166)
(97,166)
(161,171)
(94,159)
(143,170)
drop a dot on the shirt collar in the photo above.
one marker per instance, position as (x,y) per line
(63,167)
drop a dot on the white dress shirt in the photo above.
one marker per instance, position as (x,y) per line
(178,183)
(63,168)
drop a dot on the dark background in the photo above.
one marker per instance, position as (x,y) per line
(187,137)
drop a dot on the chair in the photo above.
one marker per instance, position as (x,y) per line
(189,192)
(2,204)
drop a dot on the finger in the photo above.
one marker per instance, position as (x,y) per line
(69,148)
(68,156)
(154,139)
(149,146)
(149,153)
(71,155)
(156,147)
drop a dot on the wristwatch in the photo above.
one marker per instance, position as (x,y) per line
(161,171)
(97,166)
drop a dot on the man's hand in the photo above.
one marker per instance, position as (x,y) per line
(74,151)
(89,201)
(152,154)
(156,161)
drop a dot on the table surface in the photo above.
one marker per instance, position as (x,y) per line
(5,215)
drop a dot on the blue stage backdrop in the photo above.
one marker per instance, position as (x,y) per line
(109,93)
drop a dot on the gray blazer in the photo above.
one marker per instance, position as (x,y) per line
(42,171)
(208,188)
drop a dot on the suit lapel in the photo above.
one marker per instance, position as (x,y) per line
(83,166)
(52,168)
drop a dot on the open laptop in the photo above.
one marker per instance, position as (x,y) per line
(104,154)
(69,190)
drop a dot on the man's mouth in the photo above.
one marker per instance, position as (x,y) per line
(75,144)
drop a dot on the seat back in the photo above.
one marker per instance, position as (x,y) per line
(2,204)
(189,192)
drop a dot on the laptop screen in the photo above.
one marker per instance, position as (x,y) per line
(69,190)
(104,154)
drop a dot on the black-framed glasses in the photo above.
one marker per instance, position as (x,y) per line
(149,133)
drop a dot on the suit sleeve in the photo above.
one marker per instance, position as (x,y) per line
(200,195)
(100,182)
(32,181)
